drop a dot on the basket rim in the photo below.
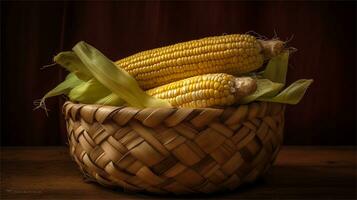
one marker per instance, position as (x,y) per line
(68,102)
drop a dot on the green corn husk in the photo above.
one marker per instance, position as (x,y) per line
(111,100)
(115,79)
(292,94)
(93,91)
(273,81)
(70,61)
(69,83)
(88,92)
(265,87)
(277,68)
(65,87)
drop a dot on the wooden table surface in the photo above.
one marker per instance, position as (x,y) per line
(299,173)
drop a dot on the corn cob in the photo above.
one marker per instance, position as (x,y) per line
(205,90)
(233,54)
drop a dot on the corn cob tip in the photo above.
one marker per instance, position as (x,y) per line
(271,48)
(244,86)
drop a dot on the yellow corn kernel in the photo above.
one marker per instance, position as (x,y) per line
(233,54)
(223,89)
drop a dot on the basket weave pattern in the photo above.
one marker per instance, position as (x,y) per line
(174,150)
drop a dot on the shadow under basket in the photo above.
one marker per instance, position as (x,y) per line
(174,150)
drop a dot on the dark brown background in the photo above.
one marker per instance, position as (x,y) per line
(32,32)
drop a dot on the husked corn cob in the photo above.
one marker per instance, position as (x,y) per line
(205,90)
(233,54)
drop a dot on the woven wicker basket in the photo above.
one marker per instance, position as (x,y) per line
(174,150)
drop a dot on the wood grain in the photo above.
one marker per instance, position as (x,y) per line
(299,173)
